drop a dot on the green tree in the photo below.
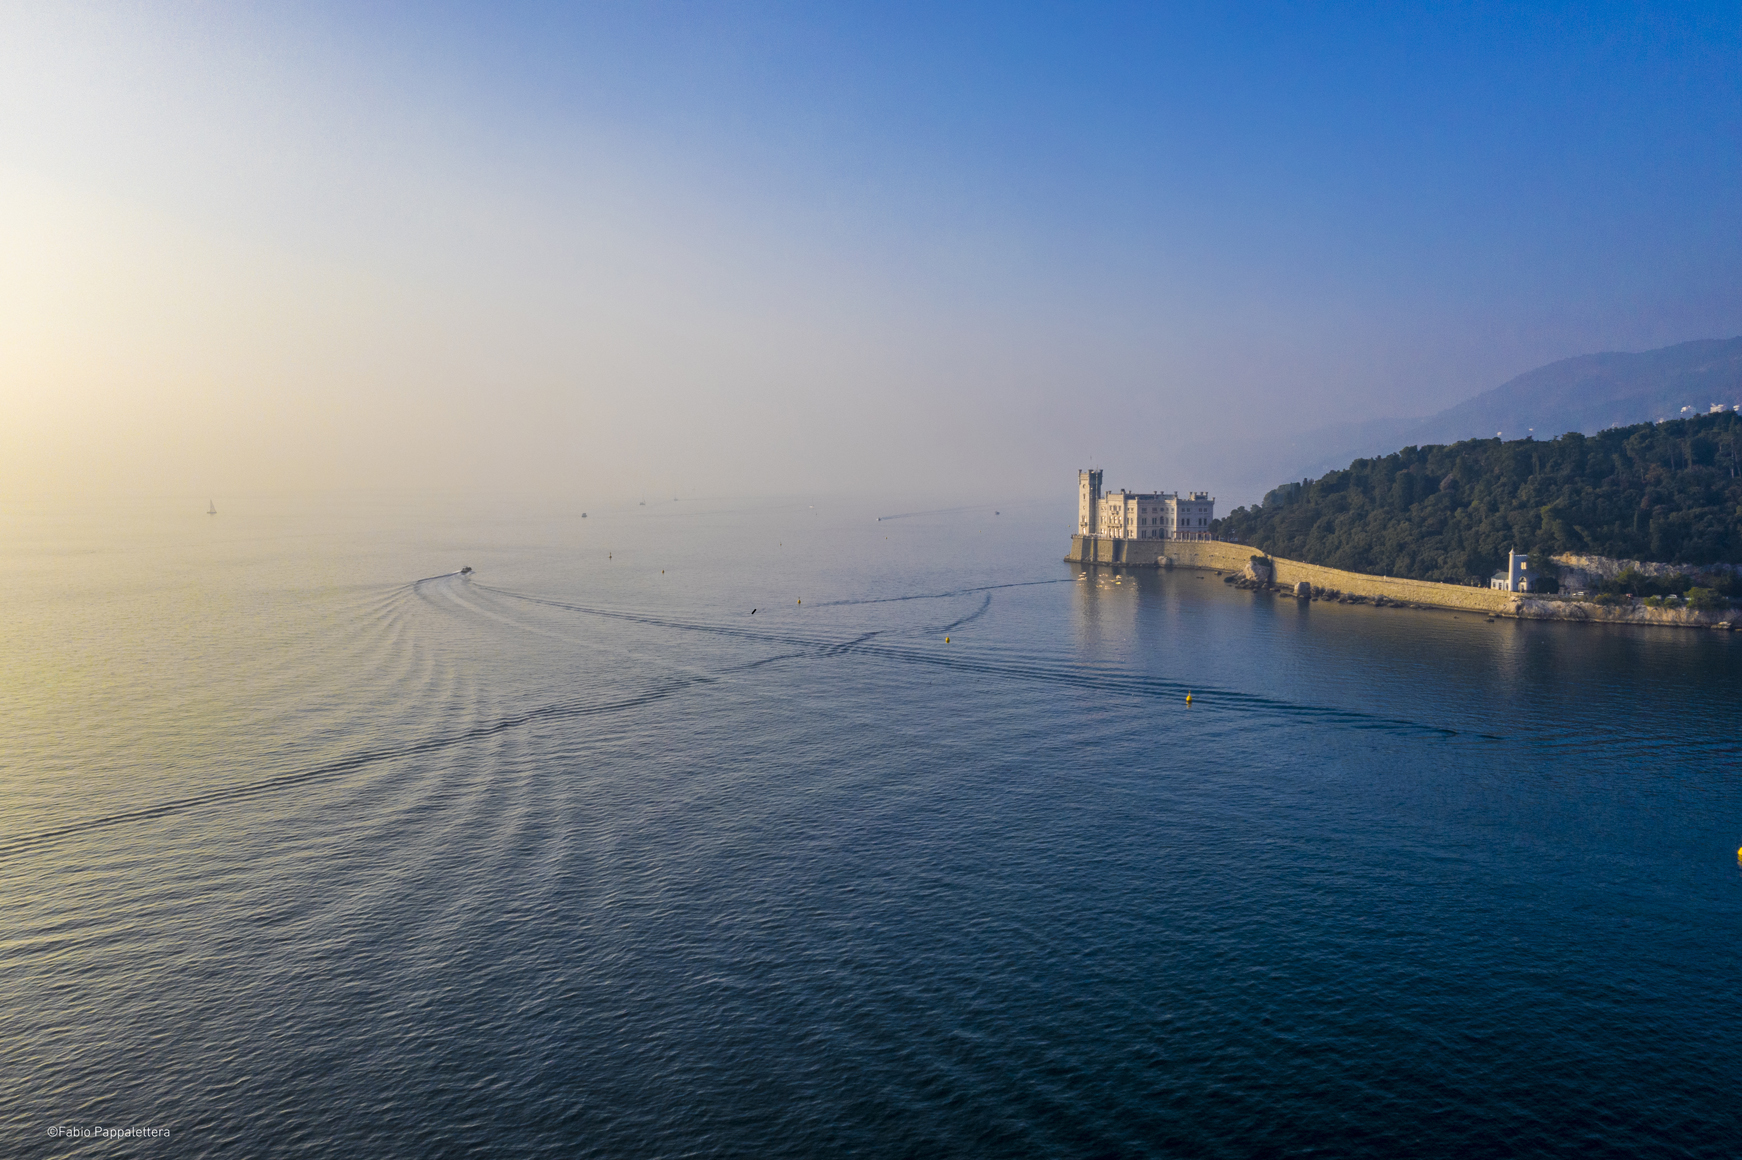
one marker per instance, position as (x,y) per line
(1706,600)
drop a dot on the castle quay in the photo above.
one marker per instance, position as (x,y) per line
(1127,553)
(1158,545)
(1285,577)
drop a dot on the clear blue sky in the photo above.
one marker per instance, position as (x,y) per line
(960,245)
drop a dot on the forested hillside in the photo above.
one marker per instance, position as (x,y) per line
(1669,492)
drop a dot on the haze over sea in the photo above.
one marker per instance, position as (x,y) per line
(313,846)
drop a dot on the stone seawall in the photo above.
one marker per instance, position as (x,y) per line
(1233,557)
(1226,557)
(1125,553)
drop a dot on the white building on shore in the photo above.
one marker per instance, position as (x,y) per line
(1517,577)
(1141,515)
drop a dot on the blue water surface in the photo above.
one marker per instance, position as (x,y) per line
(310,845)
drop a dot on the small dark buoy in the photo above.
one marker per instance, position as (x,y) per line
(583,515)
(752,612)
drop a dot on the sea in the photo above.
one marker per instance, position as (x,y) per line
(769,828)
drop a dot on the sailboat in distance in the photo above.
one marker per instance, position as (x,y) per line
(211,508)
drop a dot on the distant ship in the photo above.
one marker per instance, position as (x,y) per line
(211,508)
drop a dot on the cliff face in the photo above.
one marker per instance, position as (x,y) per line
(1527,608)
(1582,573)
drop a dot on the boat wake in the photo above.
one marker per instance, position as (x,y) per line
(657,691)
(881,645)
(1208,698)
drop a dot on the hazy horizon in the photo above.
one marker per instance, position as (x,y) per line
(769,251)
(805,798)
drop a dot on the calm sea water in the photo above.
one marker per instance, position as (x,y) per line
(310,846)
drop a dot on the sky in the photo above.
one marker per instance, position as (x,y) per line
(591,251)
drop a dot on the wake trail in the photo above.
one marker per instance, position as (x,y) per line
(562,711)
(985,607)
(1209,698)
(416,584)
(932,512)
(937,595)
(866,644)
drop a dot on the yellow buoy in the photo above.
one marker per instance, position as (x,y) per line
(1188,698)
(947,641)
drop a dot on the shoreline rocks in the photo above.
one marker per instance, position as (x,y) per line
(1633,612)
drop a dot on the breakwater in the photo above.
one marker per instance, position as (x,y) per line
(1225,557)
(1286,575)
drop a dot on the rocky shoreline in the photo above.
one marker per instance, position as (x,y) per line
(1631,612)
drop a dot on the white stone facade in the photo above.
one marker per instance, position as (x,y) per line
(1141,515)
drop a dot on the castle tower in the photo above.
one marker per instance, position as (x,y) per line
(1089,502)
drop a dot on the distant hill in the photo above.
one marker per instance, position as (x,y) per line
(1669,492)
(1587,394)
(1595,391)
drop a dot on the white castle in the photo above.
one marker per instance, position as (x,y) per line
(1141,515)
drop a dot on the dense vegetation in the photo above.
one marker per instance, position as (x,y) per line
(1670,492)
